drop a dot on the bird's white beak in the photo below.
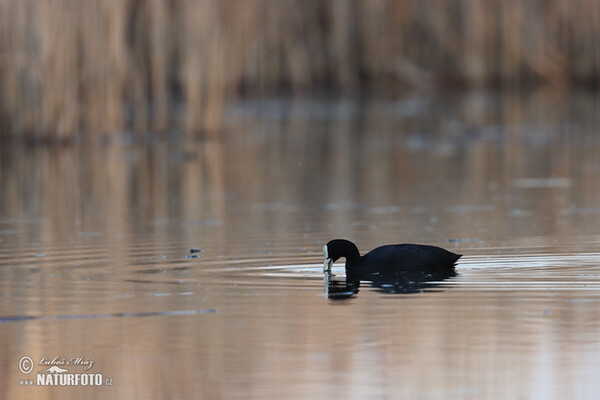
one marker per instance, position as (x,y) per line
(327,265)
(328,261)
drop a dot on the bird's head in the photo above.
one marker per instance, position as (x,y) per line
(336,249)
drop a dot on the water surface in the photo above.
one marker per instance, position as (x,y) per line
(96,260)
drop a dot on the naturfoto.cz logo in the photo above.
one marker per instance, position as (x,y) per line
(57,372)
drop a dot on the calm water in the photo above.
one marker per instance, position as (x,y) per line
(96,261)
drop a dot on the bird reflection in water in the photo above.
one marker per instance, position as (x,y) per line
(340,289)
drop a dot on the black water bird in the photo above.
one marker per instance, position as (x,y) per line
(401,267)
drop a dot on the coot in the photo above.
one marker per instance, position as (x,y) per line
(395,262)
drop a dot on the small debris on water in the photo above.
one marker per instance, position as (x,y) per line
(194,252)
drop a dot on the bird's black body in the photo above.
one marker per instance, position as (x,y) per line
(422,260)
(402,264)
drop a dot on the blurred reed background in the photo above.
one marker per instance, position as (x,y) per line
(98,68)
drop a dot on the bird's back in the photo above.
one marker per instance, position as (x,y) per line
(423,260)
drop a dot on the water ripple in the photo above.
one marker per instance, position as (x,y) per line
(21,318)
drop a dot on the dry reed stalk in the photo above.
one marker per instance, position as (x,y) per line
(199,46)
(58,24)
(104,66)
(19,70)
